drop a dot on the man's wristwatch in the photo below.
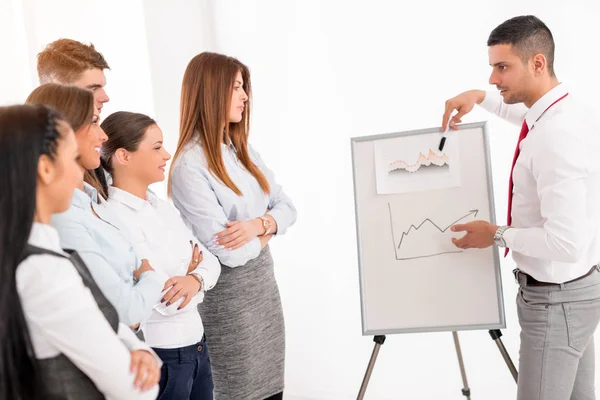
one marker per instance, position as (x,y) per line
(499,236)
(266,223)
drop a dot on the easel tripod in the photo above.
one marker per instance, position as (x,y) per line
(495,334)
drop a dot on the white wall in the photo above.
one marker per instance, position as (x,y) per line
(323,72)
(15,77)
(176,31)
(40,22)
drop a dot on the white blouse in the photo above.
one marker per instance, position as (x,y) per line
(206,204)
(159,235)
(63,317)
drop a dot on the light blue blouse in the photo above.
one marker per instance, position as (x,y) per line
(109,255)
(207,205)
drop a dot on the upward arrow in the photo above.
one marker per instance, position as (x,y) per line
(416,228)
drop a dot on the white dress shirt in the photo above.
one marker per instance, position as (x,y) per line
(555,234)
(206,204)
(160,236)
(63,317)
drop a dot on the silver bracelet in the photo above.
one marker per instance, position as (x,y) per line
(200,278)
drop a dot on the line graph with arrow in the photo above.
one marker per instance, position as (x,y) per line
(427,239)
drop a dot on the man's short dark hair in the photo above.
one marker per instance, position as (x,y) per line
(528,36)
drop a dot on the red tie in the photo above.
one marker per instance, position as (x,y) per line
(523,135)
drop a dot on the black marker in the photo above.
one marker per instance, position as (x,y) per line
(442,143)
(443,140)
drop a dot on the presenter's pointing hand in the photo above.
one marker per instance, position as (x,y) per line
(479,235)
(463,104)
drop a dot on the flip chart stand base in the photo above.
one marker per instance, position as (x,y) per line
(494,333)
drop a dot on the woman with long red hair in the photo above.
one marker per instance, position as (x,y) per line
(230,198)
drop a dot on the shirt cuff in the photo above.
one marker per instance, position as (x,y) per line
(199,276)
(510,238)
(279,218)
(147,274)
(239,257)
(131,341)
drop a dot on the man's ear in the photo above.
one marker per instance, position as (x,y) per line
(539,63)
(122,156)
(46,170)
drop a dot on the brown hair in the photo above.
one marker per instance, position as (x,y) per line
(125,130)
(64,60)
(205,102)
(77,106)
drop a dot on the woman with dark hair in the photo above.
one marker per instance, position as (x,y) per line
(224,190)
(60,338)
(135,157)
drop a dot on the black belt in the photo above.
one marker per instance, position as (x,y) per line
(531,281)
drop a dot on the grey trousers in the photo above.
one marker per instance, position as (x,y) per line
(556,358)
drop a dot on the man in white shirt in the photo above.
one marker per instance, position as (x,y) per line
(553,226)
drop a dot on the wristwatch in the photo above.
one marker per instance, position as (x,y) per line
(499,236)
(266,224)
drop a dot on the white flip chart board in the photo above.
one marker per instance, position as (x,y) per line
(407,196)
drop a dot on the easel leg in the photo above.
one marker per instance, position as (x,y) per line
(363,388)
(465,391)
(496,334)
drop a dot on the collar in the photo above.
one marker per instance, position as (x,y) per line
(229,146)
(44,236)
(84,198)
(539,107)
(130,200)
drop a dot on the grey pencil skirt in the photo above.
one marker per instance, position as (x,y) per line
(245,332)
